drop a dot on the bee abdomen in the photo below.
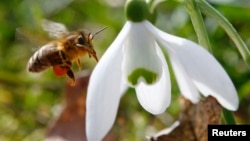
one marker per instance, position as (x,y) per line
(37,63)
(41,60)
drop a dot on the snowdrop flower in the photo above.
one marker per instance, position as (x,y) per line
(135,59)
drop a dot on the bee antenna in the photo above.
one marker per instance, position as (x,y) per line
(99,32)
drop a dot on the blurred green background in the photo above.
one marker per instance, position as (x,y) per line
(28,102)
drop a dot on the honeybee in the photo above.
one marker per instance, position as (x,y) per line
(62,52)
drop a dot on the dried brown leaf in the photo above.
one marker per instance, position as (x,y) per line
(193,119)
(70,125)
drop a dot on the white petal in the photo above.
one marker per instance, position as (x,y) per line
(166,131)
(104,90)
(205,71)
(140,54)
(156,98)
(185,83)
(208,75)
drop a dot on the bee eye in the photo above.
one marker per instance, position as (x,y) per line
(81,40)
(90,36)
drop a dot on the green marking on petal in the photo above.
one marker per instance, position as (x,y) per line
(149,76)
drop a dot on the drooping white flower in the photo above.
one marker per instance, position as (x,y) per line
(135,59)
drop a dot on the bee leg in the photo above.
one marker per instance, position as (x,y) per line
(71,76)
(79,64)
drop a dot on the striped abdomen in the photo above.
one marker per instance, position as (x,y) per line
(45,57)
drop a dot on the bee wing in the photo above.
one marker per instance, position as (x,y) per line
(30,39)
(55,30)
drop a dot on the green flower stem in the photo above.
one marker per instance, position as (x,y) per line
(207,9)
(198,24)
(228,116)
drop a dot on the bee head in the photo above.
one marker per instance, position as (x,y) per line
(85,37)
(84,40)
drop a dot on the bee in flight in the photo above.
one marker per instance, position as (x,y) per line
(62,52)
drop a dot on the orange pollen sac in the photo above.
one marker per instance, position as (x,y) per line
(59,71)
